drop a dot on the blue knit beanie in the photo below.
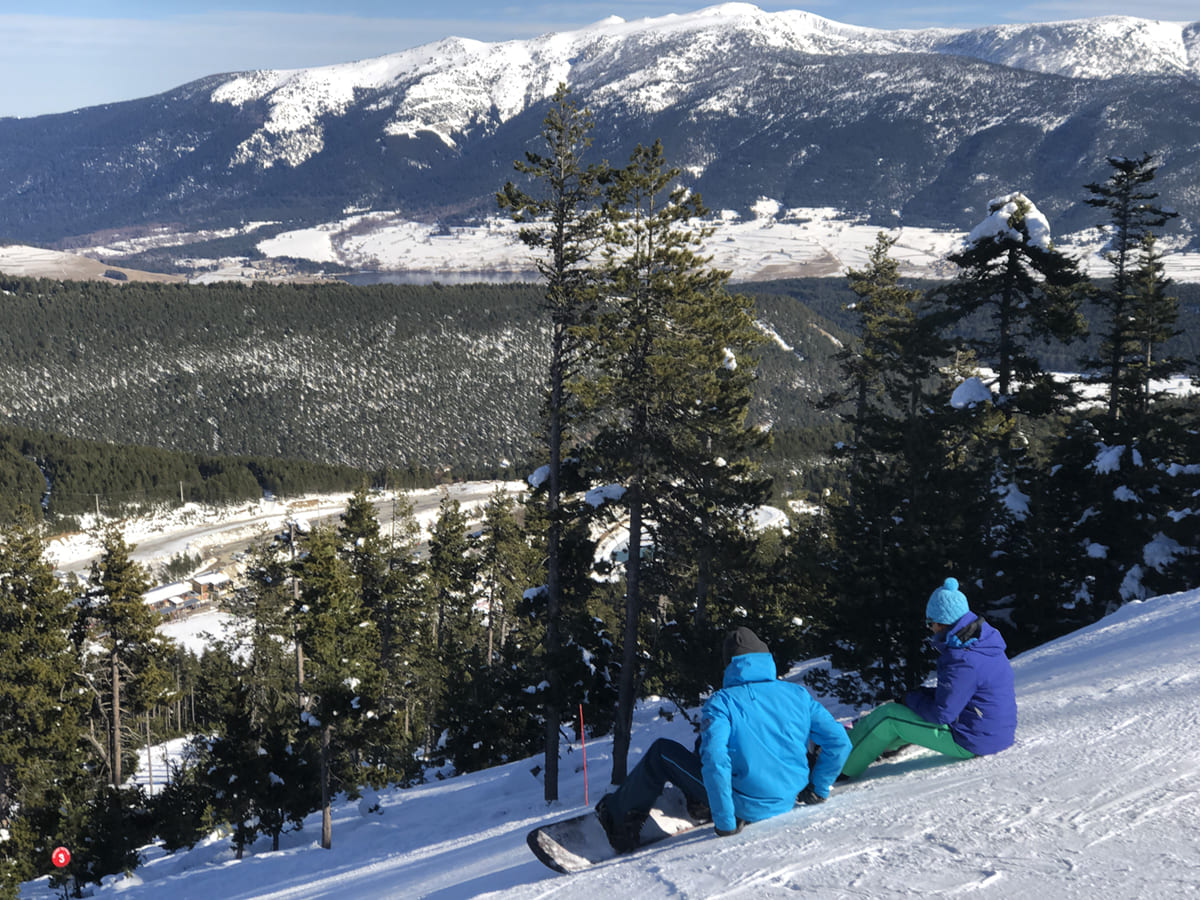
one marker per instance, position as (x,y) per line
(947,604)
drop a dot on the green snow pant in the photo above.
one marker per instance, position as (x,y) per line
(890,727)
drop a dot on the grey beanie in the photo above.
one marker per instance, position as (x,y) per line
(741,641)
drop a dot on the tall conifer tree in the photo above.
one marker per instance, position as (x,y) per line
(562,225)
(342,678)
(669,394)
(134,675)
(1155,314)
(902,524)
(1126,195)
(456,629)
(41,705)
(1031,291)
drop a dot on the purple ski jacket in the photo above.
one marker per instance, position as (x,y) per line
(974,693)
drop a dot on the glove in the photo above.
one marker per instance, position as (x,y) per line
(810,796)
(740,825)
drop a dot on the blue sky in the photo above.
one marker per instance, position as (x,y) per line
(68,55)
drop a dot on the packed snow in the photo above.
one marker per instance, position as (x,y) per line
(1099,797)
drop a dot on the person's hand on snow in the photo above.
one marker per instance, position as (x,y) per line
(810,796)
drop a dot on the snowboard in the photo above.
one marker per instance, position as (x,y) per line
(574,844)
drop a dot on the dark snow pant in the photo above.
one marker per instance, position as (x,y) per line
(890,727)
(664,761)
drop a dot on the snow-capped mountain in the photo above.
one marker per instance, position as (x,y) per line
(915,127)
(458,88)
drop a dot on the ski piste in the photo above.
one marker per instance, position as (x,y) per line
(579,842)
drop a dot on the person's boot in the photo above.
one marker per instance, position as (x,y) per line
(699,812)
(625,835)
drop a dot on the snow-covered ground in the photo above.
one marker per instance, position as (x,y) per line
(35,262)
(771,243)
(1100,797)
(195,529)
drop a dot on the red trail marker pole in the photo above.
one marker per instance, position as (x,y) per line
(583,744)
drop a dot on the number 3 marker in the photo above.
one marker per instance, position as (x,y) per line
(60,857)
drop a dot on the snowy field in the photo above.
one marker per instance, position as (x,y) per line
(772,242)
(1100,797)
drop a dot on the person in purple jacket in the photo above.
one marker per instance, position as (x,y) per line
(973,709)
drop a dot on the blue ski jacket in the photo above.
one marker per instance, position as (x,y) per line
(974,694)
(754,743)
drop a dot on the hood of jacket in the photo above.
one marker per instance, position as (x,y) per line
(749,667)
(971,632)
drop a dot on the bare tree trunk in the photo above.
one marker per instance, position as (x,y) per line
(115,734)
(550,710)
(626,694)
(149,756)
(491,625)
(295,627)
(326,811)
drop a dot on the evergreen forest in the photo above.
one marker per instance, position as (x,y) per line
(659,399)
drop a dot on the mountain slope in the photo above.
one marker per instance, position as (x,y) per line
(919,127)
(1099,797)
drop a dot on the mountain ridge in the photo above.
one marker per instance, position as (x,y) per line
(913,128)
(1129,47)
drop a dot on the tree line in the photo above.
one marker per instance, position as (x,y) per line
(1053,507)
(352,661)
(65,477)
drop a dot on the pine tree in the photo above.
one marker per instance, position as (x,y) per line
(261,631)
(893,357)
(229,764)
(255,772)
(506,569)
(385,579)
(135,672)
(105,827)
(585,664)
(404,626)
(1133,215)
(1114,474)
(672,379)
(255,769)
(913,490)
(1155,313)
(456,627)
(128,677)
(1031,291)
(342,677)
(1011,267)
(41,705)
(564,227)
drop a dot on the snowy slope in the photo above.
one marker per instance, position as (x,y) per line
(1100,797)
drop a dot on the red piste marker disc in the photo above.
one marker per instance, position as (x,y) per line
(60,857)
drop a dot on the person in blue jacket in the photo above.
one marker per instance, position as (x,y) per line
(973,709)
(752,761)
